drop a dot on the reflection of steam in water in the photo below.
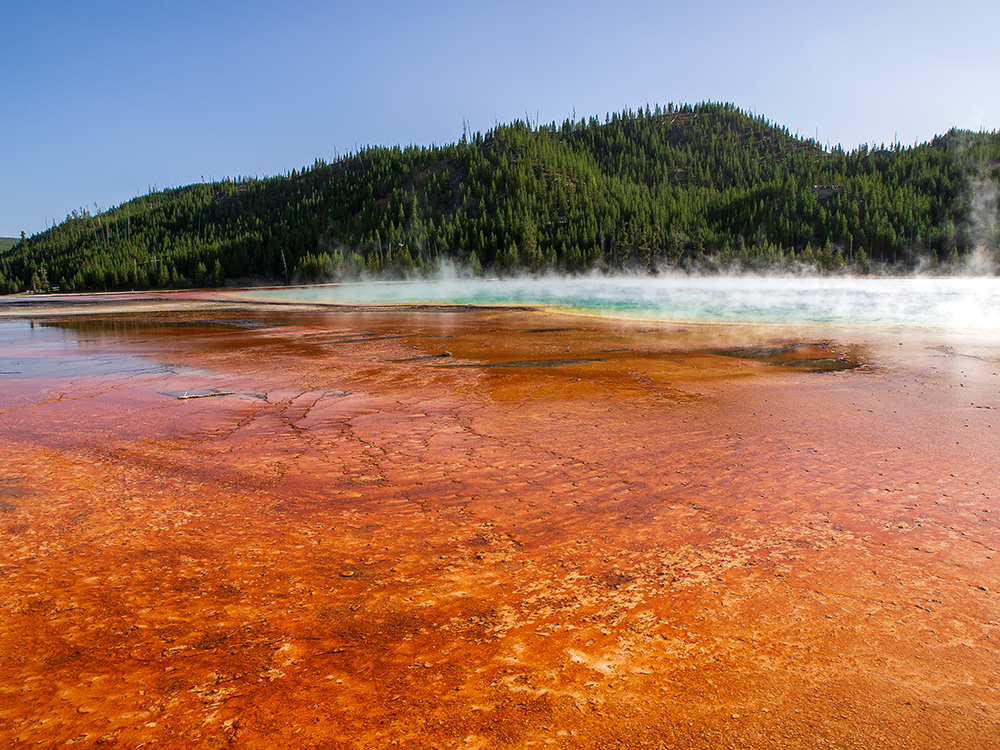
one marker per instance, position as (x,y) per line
(942,303)
(71,367)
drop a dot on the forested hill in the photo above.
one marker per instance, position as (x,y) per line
(696,187)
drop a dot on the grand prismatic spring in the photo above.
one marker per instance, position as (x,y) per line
(260,520)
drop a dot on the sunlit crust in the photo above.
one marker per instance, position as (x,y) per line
(627,534)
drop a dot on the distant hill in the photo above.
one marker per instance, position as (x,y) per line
(704,187)
(6,243)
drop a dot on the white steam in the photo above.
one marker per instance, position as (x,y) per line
(984,200)
(954,303)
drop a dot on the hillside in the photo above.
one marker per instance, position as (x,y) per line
(704,187)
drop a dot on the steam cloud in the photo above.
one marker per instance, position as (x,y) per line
(951,303)
(985,197)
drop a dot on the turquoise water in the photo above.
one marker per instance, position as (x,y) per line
(946,303)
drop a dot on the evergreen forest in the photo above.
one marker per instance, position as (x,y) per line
(703,188)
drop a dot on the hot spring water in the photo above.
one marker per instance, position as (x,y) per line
(936,303)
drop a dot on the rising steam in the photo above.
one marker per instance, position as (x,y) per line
(954,303)
(984,203)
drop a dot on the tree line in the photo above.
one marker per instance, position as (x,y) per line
(704,187)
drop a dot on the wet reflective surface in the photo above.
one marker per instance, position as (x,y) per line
(563,533)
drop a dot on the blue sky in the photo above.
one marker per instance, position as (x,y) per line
(103,100)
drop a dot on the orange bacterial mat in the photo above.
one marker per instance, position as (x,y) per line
(490,529)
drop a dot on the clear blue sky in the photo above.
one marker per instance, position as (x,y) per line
(102,100)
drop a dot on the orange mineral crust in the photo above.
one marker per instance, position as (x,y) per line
(494,528)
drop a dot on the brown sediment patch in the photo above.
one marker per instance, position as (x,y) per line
(805,357)
(652,544)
